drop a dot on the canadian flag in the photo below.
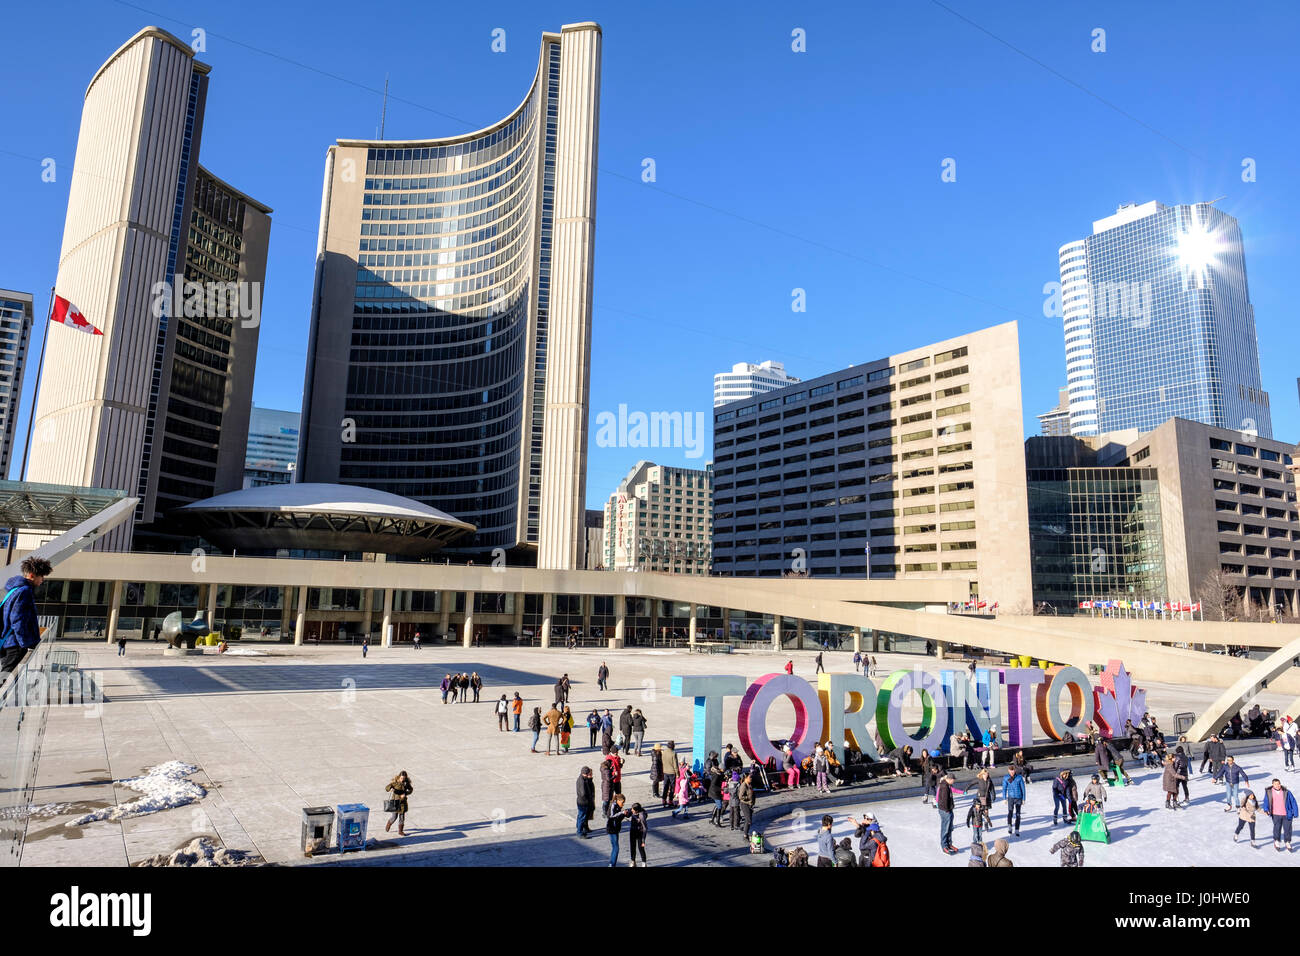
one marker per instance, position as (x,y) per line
(66,313)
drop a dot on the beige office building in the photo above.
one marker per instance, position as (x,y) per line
(450,343)
(660,519)
(168,262)
(906,467)
(1228,504)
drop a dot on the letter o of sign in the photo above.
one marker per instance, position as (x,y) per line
(889,710)
(753,716)
(1049,696)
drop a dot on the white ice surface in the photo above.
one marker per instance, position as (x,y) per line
(1143,832)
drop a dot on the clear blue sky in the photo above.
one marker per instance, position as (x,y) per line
(775,169)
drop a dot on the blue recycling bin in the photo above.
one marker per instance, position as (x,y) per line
(351,825)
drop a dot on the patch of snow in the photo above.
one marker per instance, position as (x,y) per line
(203,852)
(244,652)
(44,811)
(163,786)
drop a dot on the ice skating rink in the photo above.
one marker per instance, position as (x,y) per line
(1143,832)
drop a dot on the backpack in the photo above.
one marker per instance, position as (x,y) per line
(756,842)
(881,857)
(779,857)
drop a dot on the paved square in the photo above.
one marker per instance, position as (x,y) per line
(317,726)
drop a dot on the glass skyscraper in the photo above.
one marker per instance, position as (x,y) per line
(451,323)
(1158,323)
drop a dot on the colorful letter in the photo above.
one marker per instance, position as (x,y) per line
(838,721)
(1020,683)
(977,707)
(1064,678)
(753,716)
(708,693)
(889,710)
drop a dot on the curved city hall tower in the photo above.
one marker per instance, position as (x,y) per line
(158,405)
(451,318)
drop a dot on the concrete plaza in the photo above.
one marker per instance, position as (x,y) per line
(312,726)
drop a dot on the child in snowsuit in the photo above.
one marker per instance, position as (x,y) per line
(1071,850)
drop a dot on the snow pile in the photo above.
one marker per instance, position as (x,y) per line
(244,652)
(203,852)
(163,786)
(44,811)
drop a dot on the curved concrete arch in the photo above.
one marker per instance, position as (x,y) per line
(1245,689)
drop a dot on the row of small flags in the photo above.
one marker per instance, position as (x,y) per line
(978,605)
(1140,605)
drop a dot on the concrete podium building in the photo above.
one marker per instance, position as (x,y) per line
(450,340)
(906,467)
(168,262)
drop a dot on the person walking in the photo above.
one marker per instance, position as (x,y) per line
(638,730)
(857,661)
(586,801)
(614,826)
(715,794)
(789,667)
(1065,798)
(1071,849)
(446,686)
(606,733)
(1169,782)
(638,824)
(503,714)
(611,780)
(535,725)
(566,729)
(517,708)
(1280,805)
(820,668)
(121,647)
(365,647)
(1183,765)
(593,726)
(873,665)
(1214,753)
(400,787)
(1233,776)
(625,727)
(744,799)
(1246,814)
(602,677)
(21,627)
(944,802)
(1286,742)
(826,842)
(565,684)
(668,761)
(416,643)
(1013,792)
(682,791)
(552,720)
(476,684)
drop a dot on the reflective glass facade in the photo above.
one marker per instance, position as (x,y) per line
(1094,533)
(1159,323)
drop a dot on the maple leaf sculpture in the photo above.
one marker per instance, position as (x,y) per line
(1117,700)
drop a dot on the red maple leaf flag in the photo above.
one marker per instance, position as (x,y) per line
(66,313)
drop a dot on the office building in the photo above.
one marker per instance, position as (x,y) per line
(660,519)
(746,380)
(1186,512)
(1056,421)
(906,467)
(168,262)
(449,351)
(15,336)
(1158,323)
(272,453)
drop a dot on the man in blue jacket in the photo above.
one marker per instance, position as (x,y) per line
(1234,777)
(21,630)
(1013,792)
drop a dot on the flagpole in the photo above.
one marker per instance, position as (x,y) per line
(31,416)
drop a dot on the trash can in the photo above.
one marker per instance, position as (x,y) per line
(316,825)
(352,819)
